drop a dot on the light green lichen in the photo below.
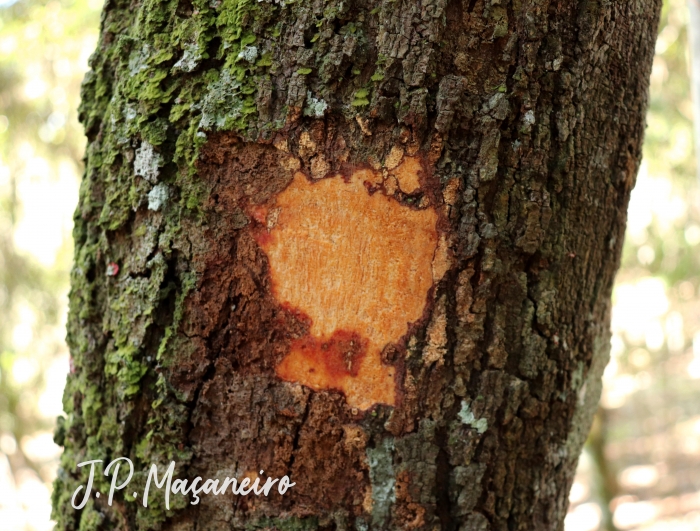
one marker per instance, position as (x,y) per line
(361,98)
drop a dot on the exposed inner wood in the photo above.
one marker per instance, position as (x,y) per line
(358,266)
(407,175)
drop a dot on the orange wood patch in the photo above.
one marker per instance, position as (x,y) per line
(360,267)
(407,175)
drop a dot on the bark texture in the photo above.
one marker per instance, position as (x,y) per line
(523,120)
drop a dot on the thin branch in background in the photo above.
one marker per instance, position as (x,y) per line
(694,34)
(606,485)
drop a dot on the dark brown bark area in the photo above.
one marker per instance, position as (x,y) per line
(530,115)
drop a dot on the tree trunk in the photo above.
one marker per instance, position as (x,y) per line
(367,245)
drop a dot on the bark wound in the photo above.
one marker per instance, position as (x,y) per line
(357,265)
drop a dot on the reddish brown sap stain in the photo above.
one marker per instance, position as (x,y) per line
(326,362)
(360,266)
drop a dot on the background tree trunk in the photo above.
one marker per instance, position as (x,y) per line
(415,208)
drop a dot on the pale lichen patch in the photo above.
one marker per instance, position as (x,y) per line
(158,196)
(222,104)
(382,479)
(148,162)
(315,107)
(190,59)
(467,417)
(248,53)
(138,59)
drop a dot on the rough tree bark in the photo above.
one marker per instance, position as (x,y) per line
(367,244)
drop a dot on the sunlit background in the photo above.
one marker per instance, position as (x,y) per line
(641,466)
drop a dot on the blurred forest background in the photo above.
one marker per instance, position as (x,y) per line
(641,466)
